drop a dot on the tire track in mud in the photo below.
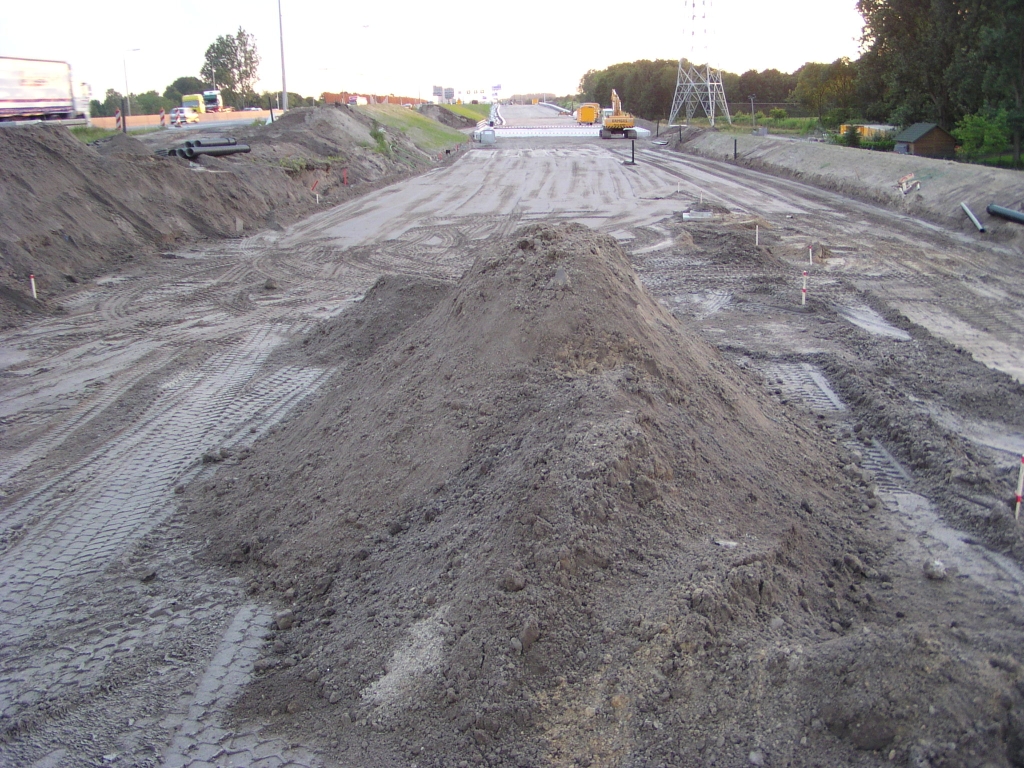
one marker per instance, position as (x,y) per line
(117,490)
(81,413)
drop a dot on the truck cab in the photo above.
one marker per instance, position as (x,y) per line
(194,101)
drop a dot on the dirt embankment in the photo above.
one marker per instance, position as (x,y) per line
(872,176)
(70,211)
(446,116)
(538,522)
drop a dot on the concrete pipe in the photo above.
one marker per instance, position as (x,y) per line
(1006,213)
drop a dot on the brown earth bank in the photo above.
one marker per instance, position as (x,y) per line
(69,211)
(536,520)
(872,176)
(446,116)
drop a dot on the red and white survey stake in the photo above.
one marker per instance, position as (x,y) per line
(1020,489)
(32,282)
(803,291)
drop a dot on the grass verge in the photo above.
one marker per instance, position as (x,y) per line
(472,111)
(429,135)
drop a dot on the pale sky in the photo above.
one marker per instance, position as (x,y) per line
(406,47)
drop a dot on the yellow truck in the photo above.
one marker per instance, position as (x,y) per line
(618,123)
(195,101)
(588,114)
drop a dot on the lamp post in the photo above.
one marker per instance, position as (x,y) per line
(284,83)
(753,122)
(127,93)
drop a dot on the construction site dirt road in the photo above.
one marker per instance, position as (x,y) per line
(124,645)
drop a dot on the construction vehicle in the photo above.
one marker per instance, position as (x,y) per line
(618,123)
(588,114)
(33,89)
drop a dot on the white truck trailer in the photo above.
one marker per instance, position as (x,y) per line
(33,89)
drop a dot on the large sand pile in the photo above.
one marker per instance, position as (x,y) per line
(535,520)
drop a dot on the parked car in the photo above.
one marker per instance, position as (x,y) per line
(187,115)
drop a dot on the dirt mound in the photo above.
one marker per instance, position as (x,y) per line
(122,144)
(447,117)
(67,211)
(393,304)
(332,138)
(545,524)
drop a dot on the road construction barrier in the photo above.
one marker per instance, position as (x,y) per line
(163,119)
(118,123)
(177,120)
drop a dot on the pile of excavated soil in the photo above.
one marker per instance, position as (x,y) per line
(535,520)
(70,211)
(446,116)
(331,138)
(872,176)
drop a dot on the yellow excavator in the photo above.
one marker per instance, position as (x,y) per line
(618,123)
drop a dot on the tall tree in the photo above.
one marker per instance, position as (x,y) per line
(232,63)
(1001,49)
(922,46)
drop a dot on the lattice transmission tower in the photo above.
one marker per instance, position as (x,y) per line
(699,87)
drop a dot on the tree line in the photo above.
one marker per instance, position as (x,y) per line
(958,63)
(231,65)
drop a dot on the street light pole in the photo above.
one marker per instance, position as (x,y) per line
(753,122)
(284,83)
(127,93)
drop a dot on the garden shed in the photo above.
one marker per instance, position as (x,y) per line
(925,140)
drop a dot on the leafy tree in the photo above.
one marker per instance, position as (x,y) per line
(984,133)
(1001,56)
(232,63)
(923,51)
(106,108)
(770,85)
(645,87)
(182,87)
(812,86)
(150,103)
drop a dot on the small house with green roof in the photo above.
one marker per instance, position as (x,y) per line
(925,140)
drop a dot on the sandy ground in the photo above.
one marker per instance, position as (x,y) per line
(286,593)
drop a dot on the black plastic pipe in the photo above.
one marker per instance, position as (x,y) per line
(216,151)
(214,142)
(1006,213)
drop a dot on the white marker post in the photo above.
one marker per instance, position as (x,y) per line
(757,234)
(803,292)
(810,254)
(1020,489)
(32,282)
